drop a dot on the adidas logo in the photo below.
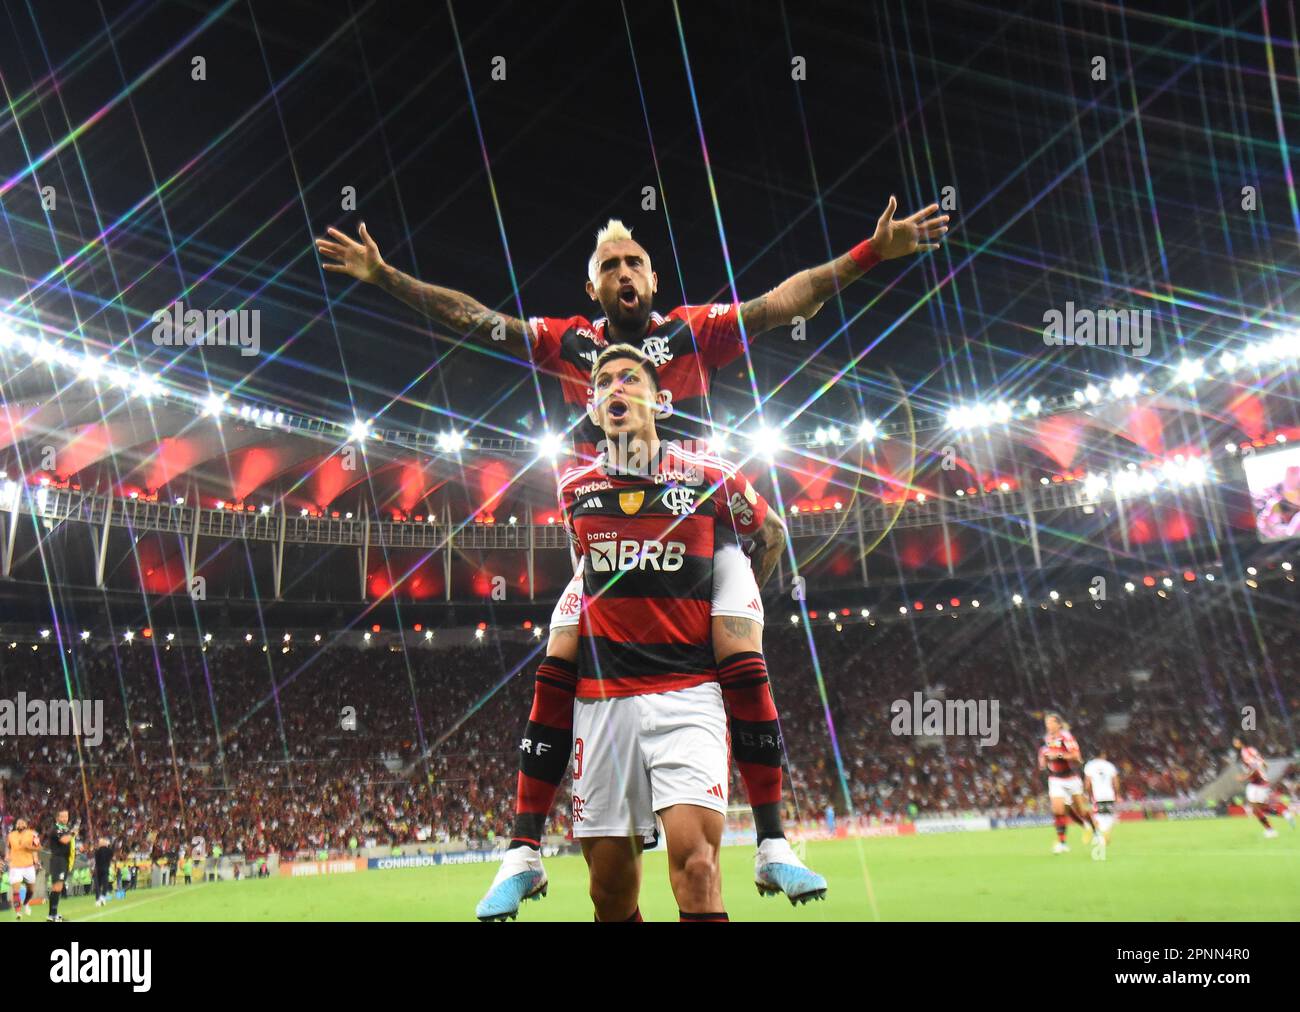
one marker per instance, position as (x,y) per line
(594,503)
(716,791)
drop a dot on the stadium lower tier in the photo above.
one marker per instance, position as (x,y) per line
(316,747)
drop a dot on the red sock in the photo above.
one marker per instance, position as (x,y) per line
(719,918)
(1059,820)
(544,749)
(1260,811)
(755,737)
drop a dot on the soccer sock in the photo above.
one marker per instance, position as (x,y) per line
(18,897)
(636,917)
(1259,814)
(1059,820)
(54,903)
(719,918)
(755,737)
(544,751)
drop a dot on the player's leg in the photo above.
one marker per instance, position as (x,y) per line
(614,869)
(543,757)
(754,725)
(57,875)
(694,844)
(1257,796)
(1058,798)
(1083,813)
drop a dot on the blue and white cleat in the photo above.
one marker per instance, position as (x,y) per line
(521,877)
(777,869)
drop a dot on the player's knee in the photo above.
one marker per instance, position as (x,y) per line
(699,872)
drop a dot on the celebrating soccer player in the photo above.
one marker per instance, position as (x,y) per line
(1259,793)
(650,730)
(686,346)
(20,855)
(1061,758)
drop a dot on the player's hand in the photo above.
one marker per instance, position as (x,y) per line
(895,238)
(344,255)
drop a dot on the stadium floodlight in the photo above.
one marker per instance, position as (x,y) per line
(287,637)
(1095,484)
(215,405)
(279,418)
(85,635)
(265,509)
(180,500)
(365,637)
(768,440)
(478,634)
(45,634)
(1286,567)
(451,442)
(428,634)
(128,635)
(512,521)
(302,512)
(316,638)
(90,368)
(975,603)
(358,431)
(1033,406)
(1054,596)
(1002,412)
(868,430)
(826,436)
(1127,385)
(1167,582)
(248,637)
(866,612)
(537,632)
(550,445)
(207,637)
(920,498)
(1188,371)
(717,442)
(1228,361)
(120,378)
(170,637)
(148,387)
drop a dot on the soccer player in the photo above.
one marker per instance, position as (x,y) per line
(650,729)
(1102,780)
(1259,794)
(103,867)
(1061,758)
(20,854)
(687,346)
(63,850)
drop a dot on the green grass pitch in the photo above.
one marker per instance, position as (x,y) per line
(1219,869)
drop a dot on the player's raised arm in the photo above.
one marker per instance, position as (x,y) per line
(458,312)
(769,543)
(803,294)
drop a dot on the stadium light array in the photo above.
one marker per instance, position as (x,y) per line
(868,430)
(358,431)
(451,442)
(768,440)
(550,445)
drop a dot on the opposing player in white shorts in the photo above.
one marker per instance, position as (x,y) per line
(1102,780)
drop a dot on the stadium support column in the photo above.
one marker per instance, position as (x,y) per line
(446,554)
(11,531)
(532,555)
(192,545)
(363,553)
(277,570)
(943,527)
(862,535)
(1026,490)
(101,549)
(1123,519)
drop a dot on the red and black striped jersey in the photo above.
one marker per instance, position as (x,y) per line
(687,346)
(1255,766)
(1055,748)
(646,543)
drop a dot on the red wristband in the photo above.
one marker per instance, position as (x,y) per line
(865,255)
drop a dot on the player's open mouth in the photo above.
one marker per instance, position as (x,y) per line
(627,297)
(617,410)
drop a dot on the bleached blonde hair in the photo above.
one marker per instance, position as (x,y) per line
(613,231)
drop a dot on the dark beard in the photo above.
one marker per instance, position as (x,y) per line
(629,323)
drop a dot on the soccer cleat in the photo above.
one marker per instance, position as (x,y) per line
(27,909)
(1270,834)
(1061,848)
(778,870)
(521,877)
(55,917)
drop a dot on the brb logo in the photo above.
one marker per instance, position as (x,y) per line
(625,555)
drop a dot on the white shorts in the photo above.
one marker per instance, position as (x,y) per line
(1259,794)
(27,875)
(1064,787)
(634,756)
(735,591)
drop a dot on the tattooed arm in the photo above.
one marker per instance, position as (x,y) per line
(805,293)
(769,543)
(446,307)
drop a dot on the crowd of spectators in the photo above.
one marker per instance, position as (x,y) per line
(312,747)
